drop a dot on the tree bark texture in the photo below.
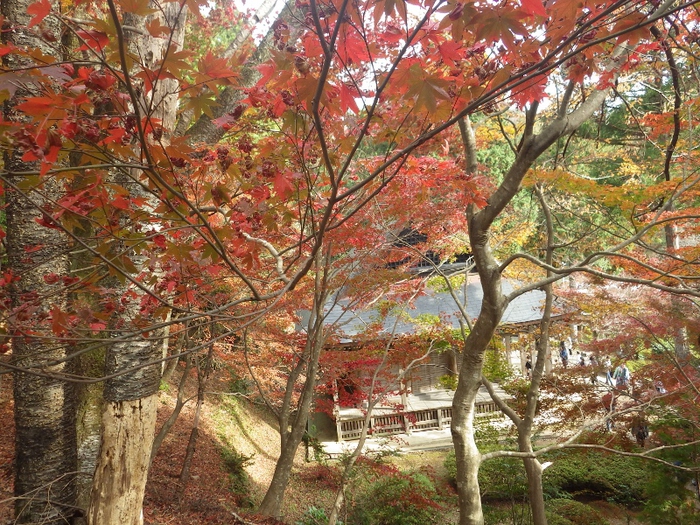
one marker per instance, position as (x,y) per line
(467,455)
(45,441)
(120,478)
(132,365)
(45,409)
(128,429)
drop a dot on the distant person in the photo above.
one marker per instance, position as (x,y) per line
(660,388)
(640,429)
(564,354)
(607,365)
(621,376)
(582,360)
(609,403)
(528,366)
(593,362)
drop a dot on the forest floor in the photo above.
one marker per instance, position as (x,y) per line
(230,427)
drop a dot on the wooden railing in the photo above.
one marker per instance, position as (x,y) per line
(398,423)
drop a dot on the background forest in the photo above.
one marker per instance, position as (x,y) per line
(181,180)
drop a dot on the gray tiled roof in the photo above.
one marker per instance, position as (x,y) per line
(526,308)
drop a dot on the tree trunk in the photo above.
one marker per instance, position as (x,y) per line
(204,130)
(45,440)
(89,420)
(179,404)
(120,479)
(202,377)
(533,467)
(274,497)
(468,457)
(133,365)
(291,435)
(347,471)
(533,470)
(128,428)
(45,444)
(45,410)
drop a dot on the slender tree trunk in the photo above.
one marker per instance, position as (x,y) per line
(292,429)
(533,467)
(467,454)
(202,376)
(179,404)
(533,471)
(680,337)
(291,438)
(189,453)
(347,471)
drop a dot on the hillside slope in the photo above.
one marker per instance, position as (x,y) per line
(230,425)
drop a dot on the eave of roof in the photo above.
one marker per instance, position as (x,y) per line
(524,311)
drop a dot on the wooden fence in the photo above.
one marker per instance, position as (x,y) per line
(406,422)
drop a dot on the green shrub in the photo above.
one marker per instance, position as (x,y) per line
(240,385)
(511,514)
(596,474)
(497,365)
(555,519)
(499,478)
(314,516)
(503,479)
(397,499)
(669,500)
(572,474)
(574,513)
(234,463)
(448,381)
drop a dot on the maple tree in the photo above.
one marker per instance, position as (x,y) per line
(152,226)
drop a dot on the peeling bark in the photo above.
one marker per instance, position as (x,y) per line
(133,364)
(120,478)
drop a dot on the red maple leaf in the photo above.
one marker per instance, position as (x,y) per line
(92,40)
(40,10)
(348,94)
(533,7)
(282,186)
